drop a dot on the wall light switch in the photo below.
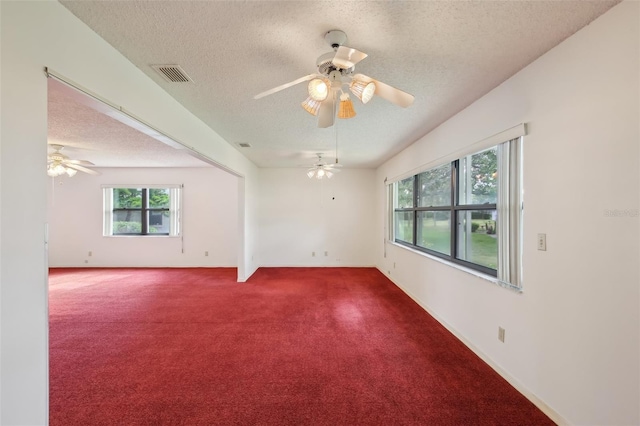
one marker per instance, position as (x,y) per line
(542,242)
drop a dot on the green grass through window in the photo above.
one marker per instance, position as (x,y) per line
(437,237)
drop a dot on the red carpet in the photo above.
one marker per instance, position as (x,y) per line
(293,346)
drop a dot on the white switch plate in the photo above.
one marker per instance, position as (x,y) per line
(542,242)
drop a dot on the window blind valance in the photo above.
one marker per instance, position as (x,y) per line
(504,136)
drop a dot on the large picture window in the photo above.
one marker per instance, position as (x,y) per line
(136,210)
(466,211)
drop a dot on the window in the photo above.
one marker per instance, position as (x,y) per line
(466,211)
(135,210)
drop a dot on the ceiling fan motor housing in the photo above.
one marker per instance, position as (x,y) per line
(326,66)
(335,38)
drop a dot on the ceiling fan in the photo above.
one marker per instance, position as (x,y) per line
(335,70)
(321,169)
(59,164)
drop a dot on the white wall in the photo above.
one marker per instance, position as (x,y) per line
(209,220)
(572,336)
(35,35)
(299,216)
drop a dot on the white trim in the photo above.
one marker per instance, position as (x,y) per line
(107,212)
(504,136)
(550,412)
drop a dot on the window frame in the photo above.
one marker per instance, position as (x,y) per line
(144,210)
(510,204)
(453,208)
(174,210)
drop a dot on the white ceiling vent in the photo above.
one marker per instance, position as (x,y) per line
(172,73)
(244,145)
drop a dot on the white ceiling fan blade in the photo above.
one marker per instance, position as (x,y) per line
(389,93)
(285,86)
(347,57)
(79,162)
(326,115)
(83,169)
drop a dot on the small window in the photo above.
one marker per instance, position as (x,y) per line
(141,211)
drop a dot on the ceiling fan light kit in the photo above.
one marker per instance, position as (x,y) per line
(321,169)
(319,174)
(335,70)
(59,170)
(363,90)
(346,110)
(59,164)
(311,105)
(318,89)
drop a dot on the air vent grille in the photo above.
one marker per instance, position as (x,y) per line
(172,73)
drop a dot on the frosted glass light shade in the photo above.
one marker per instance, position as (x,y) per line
(363,90)
(319,172)
(54,169)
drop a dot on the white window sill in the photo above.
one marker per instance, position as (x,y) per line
(142,236)
(459,267)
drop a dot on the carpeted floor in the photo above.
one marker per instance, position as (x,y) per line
(293,346)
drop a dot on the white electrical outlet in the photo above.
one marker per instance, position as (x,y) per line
(90,253)
(326,253)
(501,334)
(206,253)
(313,254)
(542,242)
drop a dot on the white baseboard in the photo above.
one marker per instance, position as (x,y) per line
(550,412)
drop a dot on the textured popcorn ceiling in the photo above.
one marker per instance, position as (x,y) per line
(76,122)
(447,54)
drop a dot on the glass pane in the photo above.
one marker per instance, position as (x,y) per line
(477,239)
(159,222)
(127,222)
(127,198)
(404,193)
(159,198)
(404,226)
(479,177)
(434,231)
(434,187)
